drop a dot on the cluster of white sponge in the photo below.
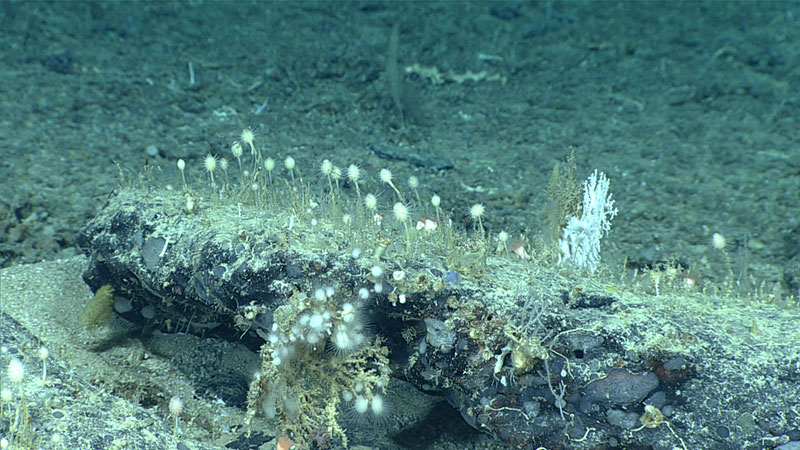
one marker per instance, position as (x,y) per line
(365,404)
(349,334)
(324,320)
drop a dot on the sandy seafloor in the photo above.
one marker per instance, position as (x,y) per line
(690,108)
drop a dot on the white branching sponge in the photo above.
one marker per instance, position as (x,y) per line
(580,240)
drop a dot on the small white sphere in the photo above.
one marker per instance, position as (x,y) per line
(361,405)
(248,136)
(347,308)
(210,162)
(181,164)
(289,163)
(326,168)
(376,405)
(476,211)
(316,322)
(400,212)
(436,201)
(236,150)
(376,271)
(341,340)
(269,164)
(413,182)
(175,405)
(353,173)
(16,370)
(385,176)
(371,202)
(718,241)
